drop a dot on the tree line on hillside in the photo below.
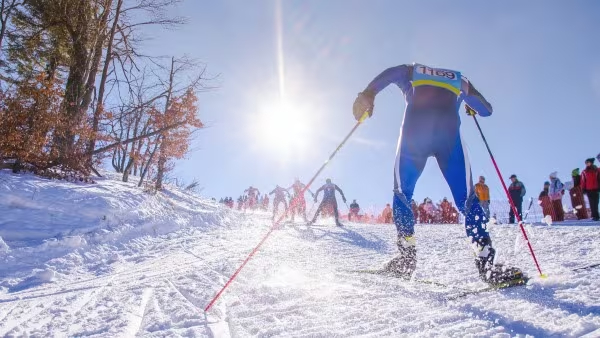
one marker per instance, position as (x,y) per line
(76,89)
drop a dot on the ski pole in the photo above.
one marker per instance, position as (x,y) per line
(512,204)
(528,209)
(276,223)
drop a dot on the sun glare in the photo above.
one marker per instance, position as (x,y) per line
(282,129)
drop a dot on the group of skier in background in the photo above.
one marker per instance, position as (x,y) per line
(293,204)
(584,183)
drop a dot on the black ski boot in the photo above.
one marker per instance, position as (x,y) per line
(403,265)
(496,275)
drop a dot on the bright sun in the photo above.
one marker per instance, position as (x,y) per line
(282,129)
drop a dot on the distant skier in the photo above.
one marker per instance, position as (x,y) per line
(279,198)
(517,192)
(545,202)
(300,203)
(252,194)
(577,200)
(354,210)
(431,127)
(386,214)
(590,183)
(556,193)
(483,194)
(328,201)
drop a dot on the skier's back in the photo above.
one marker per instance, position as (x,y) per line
(297,201)
(280,194)
(329,190)
(431,127)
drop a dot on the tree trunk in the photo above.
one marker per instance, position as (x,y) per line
(162,160)
(102,86)
(147,166)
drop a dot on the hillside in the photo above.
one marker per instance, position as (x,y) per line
(110,260)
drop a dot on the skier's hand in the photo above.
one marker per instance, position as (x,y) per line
(363,103)
(470,111)
(344,199)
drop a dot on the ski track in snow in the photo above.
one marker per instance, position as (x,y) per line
(156,284)
(298,285)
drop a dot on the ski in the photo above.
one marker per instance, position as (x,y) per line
(461,292)
(586,267)
(507,285)
(384,273)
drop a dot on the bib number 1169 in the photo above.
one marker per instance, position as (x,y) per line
(450,75)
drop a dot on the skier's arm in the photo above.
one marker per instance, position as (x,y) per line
(272,192)
(312,193)
(316,194)
(474,99)
(523,191)
(341,193)
(399,75)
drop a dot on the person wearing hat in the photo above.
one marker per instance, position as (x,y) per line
(545,202)
(516,191)
(483,193)
(577,200)
(328,201)
(556,193)
(590,184)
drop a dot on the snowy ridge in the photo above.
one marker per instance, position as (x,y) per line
(153,273)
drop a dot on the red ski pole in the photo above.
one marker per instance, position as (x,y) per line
(471,112)
(276,223)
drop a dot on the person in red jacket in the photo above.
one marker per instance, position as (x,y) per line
(590,184)
(577,200)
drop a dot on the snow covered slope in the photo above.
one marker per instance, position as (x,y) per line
(131,281)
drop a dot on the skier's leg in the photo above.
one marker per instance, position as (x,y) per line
(302,206)
(520,209)
(319,209)
(335,211)
(454,163)
(593,199)
(411,158)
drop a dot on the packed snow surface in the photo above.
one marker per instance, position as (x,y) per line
(114,261)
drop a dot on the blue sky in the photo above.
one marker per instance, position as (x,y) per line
(535,61)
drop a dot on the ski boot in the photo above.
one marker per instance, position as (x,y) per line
(496,275)
(403,265)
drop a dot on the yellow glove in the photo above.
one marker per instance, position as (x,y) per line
(470,111)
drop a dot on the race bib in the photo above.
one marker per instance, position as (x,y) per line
(444,78)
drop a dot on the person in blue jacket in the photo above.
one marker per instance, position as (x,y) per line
(431,127)
(328,189)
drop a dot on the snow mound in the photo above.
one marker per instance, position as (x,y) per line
(35,209)
(3,247)
(56,223)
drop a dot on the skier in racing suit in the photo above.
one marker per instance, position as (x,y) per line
(431,127)
(279,193)
(298,200)
(329,200)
